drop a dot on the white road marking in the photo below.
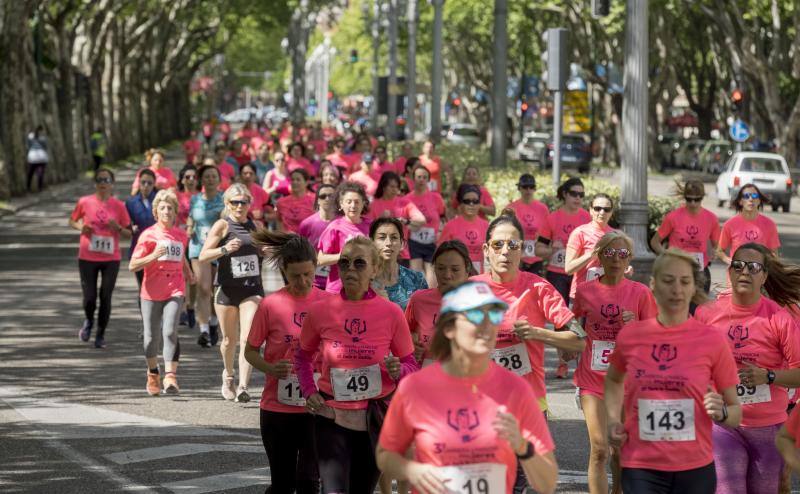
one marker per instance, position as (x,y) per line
(174,450)
(214,483)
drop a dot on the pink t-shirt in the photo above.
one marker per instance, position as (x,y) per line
(260,198)
(312,228)
(283,184)
(583,239)
(691,232)
(557,229)
(277,323)
(292,210)
(600,307)
(434,166)
(103,243)
(668,370)
(355,335)
(191,148)
(421,313)
(399,207)
(339,161)
(163,278)
(765,335)
(226,174)
(533,218)
(293,164)
(449,419)
(738,231)
(332,241)
(366,179)
(184,203)
(532,298)
(165,179)
(793,426)
(431,205)
(472,233)
(486,200)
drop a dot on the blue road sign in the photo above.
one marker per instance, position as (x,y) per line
(739,131)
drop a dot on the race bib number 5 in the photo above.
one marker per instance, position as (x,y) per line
(601,351)
(357,384)
(245,266)
(558,259)
(514,358)
(666,420)
(477,478)
(101,244)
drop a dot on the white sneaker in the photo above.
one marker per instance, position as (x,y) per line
(228,390)
(242,396)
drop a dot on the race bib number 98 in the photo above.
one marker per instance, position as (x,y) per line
(245,266)
(174,251)
(357,384)
(101,244)
(666,420)
(477,478)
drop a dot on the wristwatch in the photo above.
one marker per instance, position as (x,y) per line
(223,250)
(529,453)
(770,376)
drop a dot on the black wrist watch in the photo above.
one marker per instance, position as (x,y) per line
(770,376)
(223,251)
(529,453)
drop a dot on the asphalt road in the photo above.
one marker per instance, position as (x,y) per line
(77,419)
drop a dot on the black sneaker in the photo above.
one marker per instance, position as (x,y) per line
(203,340)
(99,342)
(190,318)
(86,331)
(184,320)
(213,331)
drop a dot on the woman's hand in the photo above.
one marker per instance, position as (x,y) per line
(393,366)
(628,316)
(507,427)
(425,478)
(750,375)
(233,245)
(714,404)
(86,229)
(160,250)
(419,350)
(314,403)
(616,435)
(280,369)
(524,330)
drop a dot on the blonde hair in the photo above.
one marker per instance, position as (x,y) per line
(369,245)
(165,195)
(610,237)
(673,253)
(150,153)
(235,190)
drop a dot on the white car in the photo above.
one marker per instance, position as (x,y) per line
(241,115)
(768,171)
(532,145)
(465,134)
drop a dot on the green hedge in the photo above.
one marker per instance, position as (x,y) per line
(502,182)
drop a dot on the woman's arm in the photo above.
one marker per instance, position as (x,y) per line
(422,476)
(542,472)
(656,243)
(785,444)
(210,251)
(613,398)
(573,263)
(542,249)
(138,263)
(722,255)
(324,259)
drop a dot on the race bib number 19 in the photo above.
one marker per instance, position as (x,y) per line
(529,248)
(477,478)
(101,244)
(666,420)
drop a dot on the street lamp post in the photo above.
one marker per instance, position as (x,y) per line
(411,76)
(437,72)
(392,83)
(499,84)
(633,206)
(376,46)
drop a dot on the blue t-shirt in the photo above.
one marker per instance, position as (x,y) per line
(141,213)
(408,282)
(203,213)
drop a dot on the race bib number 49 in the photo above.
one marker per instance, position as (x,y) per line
(514,358)
(666,420)
(477,478)
(101,244)
(357,384)
(245,266)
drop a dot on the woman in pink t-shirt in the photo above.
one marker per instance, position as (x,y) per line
(579,258)
(298,205)
(472,175)
(533,216)
(329,174)
(287,429)
(165,179)
(474,425)
(276,181)
(297,159)
(161,252)
(102,219)
(604,305)
(749,225)
(468,227)
(313,226)
(453,267)
(668,378)
(388,203)
(766,345)
(364,349)
(422,241)
(259,207)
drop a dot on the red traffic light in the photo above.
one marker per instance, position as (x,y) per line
(737,96)
(524,107)
(457,101)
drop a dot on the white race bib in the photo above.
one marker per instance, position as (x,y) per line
(424,235)
(601,351)
(289,391)
(478,265)
(594,273)
(559,258)
(514,358)
(245,266)
(433,186)
(101,244)
(357,384)
(666,420)
(174,251)
(700,259)
(477,478)
(529,248)
(202,233)
(323,271)
(750,395)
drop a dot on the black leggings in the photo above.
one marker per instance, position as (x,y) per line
(38,170)
(289,441)
(701,480)
(89,271)
(561,282)
(346,459)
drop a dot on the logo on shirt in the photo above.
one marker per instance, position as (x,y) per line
(471,235)
(751,235)
(527,218)
(738,334)
(692,231)
(463,421)
(298,318)
(483,290)
(663,354)
(355,327)
(567,228)
(610,312)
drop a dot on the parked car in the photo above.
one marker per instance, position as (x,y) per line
(531,146)
(714,155)
(575,153)
(466,134)
(688,154)
(667,145)
(766,170)
(241,115)
(444,131)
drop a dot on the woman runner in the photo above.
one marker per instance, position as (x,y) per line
(388,203)
(312,227)
(298,205)
(579,258)
(422,241)
(394,281)
(533,215)
(468,227)
(749,225)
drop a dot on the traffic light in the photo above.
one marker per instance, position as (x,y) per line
(353,56)
(524,107)
(737,100)
(456,101)
(600,8)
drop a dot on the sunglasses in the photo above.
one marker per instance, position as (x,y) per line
(358,264)
(597,209)
(240,203)
(750,195)
(471,202)
(575,193)
(497,245)
(693,199)
(146,182)
(753,267)
(620,253)
(325,196)
(477,316)
(189,177)
(103,180)
(526,187)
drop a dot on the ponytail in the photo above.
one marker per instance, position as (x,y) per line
(284,248)
(783,280)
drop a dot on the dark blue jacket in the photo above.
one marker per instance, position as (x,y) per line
(141,215)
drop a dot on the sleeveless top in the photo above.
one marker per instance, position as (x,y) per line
(240,269)
(203,213)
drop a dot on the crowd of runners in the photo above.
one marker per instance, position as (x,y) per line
(408,341)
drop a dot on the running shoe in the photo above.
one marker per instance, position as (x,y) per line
(86,331)
(242,396)
(203,340)
(99,342)
(562,370)
(184,321)
(228,390)
(190,318)
(153,384)
(171,383)
(213,331)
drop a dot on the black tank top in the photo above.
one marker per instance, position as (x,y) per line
(240,269)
